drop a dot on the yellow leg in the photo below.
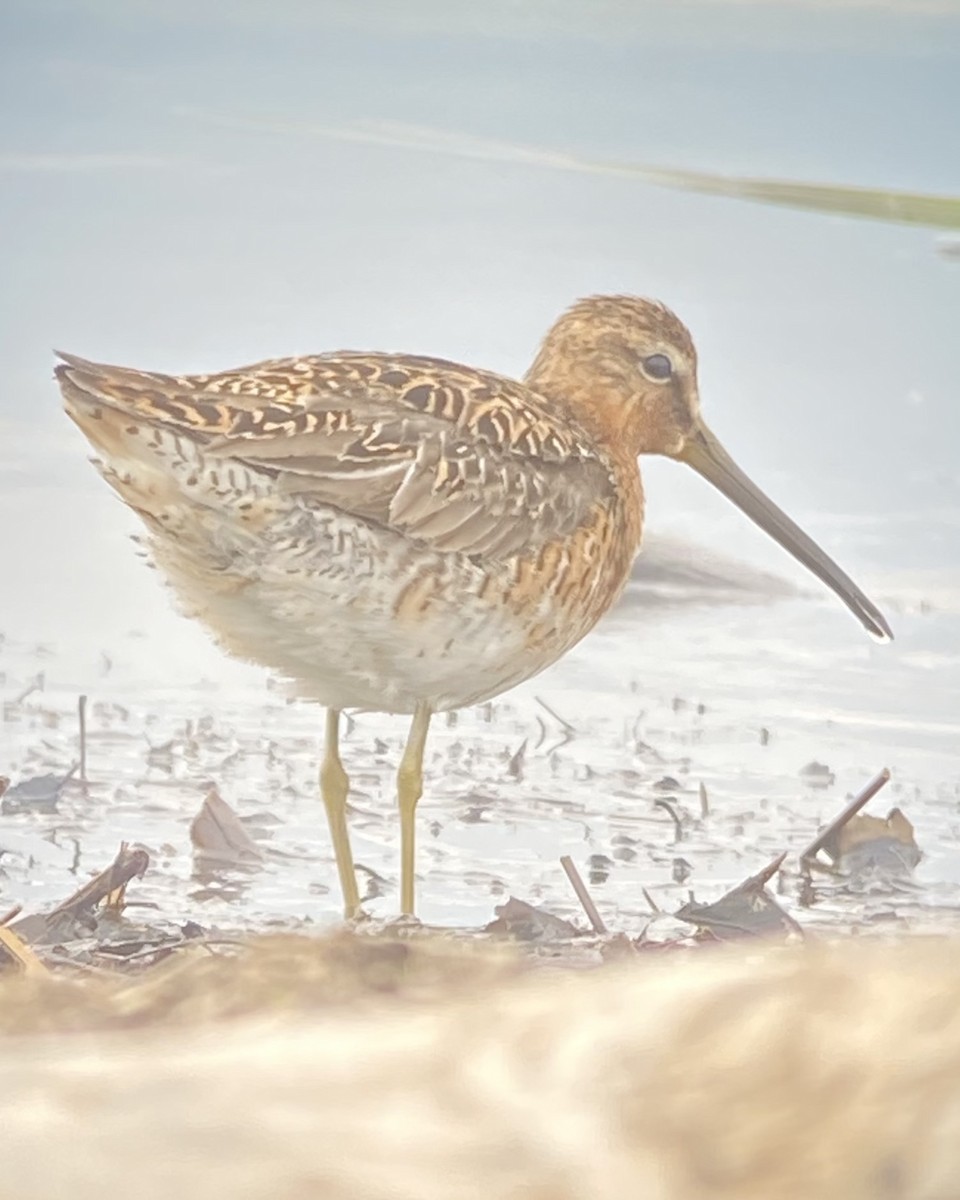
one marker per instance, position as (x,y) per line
(334,786)
(409,791)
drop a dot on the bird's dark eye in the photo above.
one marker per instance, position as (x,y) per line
(657,367)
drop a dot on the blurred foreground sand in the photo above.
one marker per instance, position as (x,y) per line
(368,1067)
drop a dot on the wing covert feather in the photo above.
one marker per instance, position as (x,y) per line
(458,459)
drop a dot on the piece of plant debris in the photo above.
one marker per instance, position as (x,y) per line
(662,802)
(817,775)
(40,793)
(519,920)
(14,952)
(749,910)
(76,913)
(878,848)
(217,834)
(586,900)
(830,838)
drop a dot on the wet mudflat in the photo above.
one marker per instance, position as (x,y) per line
(657,757)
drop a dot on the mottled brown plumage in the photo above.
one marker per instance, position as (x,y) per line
(406,533)
(458,460)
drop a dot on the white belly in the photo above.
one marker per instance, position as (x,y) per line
(337,612)
(354,615)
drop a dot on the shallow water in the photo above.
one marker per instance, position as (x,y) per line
(172,197)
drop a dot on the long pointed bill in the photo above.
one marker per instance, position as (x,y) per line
(705,454)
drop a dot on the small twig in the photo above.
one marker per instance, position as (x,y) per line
(127,865)
(36,684)
(586,900)
(53,956)
(654,906)
(762,878)
(515,765)
(171,947)
(665,804)
(82,714)
(704,801)
(556,716)
(862,798)
(149,951)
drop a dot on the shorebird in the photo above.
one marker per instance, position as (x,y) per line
(407,534)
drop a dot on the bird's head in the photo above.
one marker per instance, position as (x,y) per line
(626,368)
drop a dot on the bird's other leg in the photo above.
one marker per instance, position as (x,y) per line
(409,791)
(334,786)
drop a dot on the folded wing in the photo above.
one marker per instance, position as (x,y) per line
(457,459)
